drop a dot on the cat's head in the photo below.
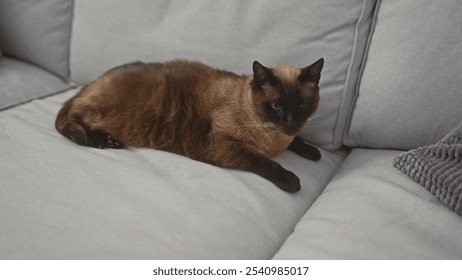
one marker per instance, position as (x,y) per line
(286,96)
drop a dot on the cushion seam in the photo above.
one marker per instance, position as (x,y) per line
(346,128)
(45,95)
(68,44)
(335,135)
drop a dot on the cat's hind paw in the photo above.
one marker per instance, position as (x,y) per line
(100,139)
(113,143)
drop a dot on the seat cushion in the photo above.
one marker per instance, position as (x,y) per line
(370,210)
(21,82)
(59,200)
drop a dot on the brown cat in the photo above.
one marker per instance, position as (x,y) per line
(206,114)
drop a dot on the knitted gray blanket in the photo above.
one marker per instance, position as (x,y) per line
(438,168)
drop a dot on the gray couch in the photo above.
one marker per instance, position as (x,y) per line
(392,82)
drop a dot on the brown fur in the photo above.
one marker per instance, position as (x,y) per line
(194,110)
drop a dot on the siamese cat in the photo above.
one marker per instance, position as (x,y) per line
(206,114)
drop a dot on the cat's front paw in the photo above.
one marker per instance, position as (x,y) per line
(287,181)
(304,149)
(276,174)
(311,153)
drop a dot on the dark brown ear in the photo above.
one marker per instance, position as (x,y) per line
(312,73)
(262,75)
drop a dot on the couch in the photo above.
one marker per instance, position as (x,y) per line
(392,82)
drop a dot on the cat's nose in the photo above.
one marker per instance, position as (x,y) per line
(289,121)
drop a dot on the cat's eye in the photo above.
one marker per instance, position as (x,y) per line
(276,106)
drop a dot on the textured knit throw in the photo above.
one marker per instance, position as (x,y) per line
(438,168)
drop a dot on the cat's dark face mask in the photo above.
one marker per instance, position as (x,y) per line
(286,96)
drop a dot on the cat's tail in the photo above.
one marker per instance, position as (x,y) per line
(71,128)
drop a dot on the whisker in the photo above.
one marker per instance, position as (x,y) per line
(270,128)
(315,117)
(273,131)
(315,125)
(259,124)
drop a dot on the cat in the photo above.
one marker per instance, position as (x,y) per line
(209,115)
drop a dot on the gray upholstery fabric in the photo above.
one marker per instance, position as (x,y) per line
(438,168)
(21,82)
(411,89)
(37,31)
(59,200)
(230,35)
(370,210)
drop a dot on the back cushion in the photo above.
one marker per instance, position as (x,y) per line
(37,31)
(411,89)
(231,35)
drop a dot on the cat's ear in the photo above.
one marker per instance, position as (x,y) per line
(262,75)
(312,73)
